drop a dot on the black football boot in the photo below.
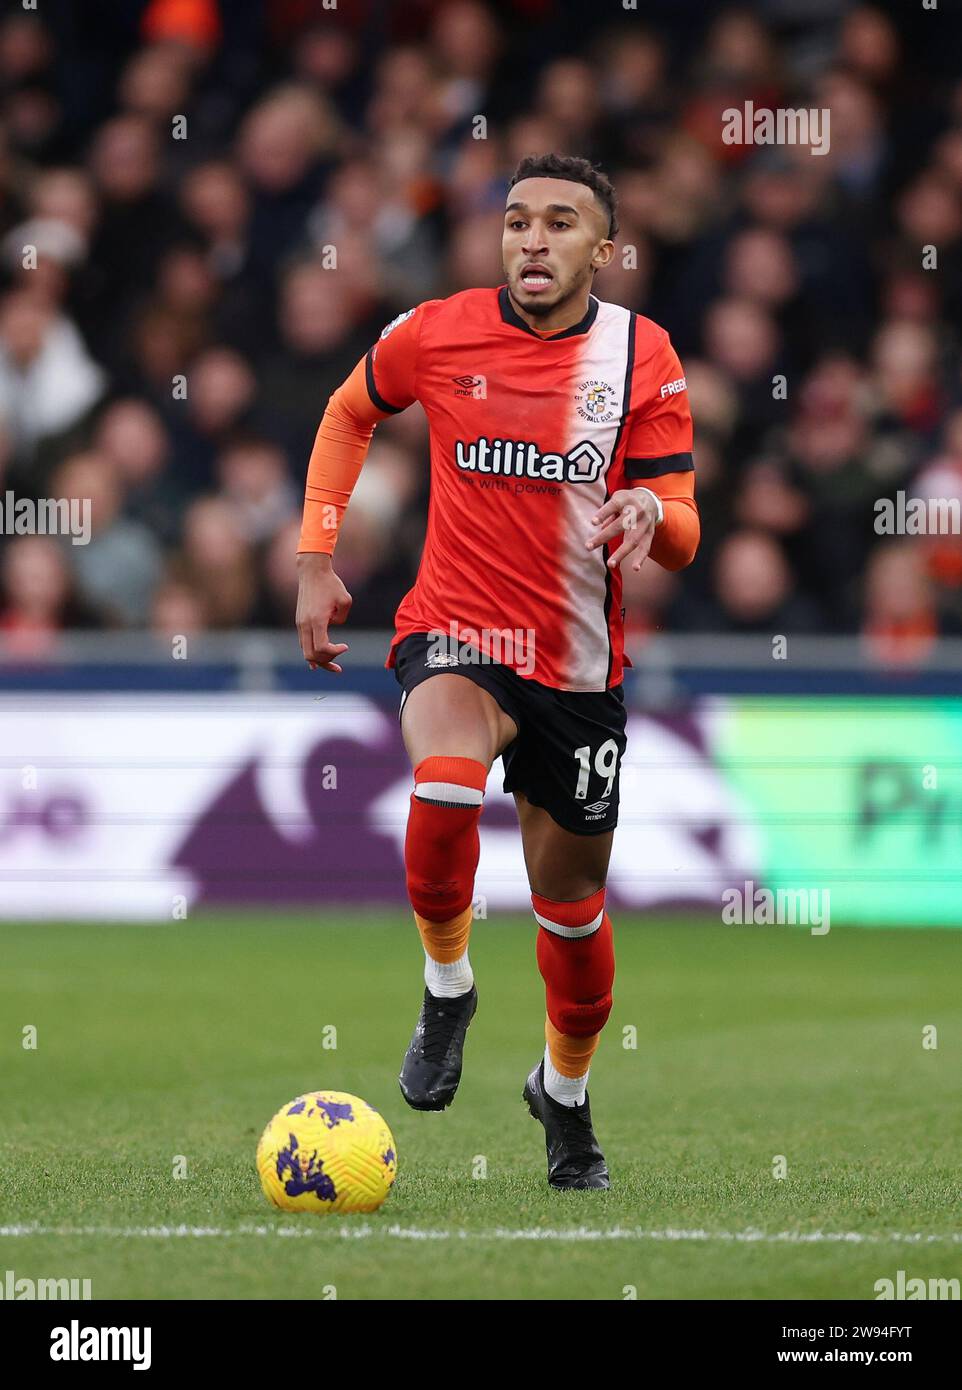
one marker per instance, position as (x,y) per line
(574,1159)
(431,1068)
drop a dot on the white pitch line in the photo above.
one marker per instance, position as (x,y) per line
(497,1233)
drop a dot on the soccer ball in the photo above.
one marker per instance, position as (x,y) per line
(327,1151)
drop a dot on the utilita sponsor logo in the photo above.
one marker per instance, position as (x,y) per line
(76,1343)
(512,458)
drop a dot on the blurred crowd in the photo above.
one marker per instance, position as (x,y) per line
(229,201)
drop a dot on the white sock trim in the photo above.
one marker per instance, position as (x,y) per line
(569,932)
(448,980)
(566,1090)
(448,791)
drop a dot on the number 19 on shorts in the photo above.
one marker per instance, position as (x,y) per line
(605,765)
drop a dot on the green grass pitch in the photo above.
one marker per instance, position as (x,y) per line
(751,1042)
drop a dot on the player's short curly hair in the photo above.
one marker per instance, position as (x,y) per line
(563,166)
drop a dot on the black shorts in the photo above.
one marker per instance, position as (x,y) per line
(567,756)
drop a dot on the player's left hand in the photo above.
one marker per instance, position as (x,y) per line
(632,512)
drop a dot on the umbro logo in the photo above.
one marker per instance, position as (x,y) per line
(597,807)
(473,387)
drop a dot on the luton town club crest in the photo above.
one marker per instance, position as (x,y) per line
(595,401)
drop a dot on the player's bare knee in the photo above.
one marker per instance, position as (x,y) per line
(565,887)
(567,872)
(450,716)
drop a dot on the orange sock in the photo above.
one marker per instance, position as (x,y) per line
(569,1056)
(445,942)
(447,969)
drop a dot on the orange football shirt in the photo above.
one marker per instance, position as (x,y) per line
(529,434)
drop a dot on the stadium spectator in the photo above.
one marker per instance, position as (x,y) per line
(218,562)
(253,474)
(900,622)
(37,595)
(756,588)
(118,569)
(177,610)
(48,379)
(131,436)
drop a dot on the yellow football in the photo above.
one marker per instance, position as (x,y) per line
(327,1151)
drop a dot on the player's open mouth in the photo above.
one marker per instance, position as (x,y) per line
(536,278)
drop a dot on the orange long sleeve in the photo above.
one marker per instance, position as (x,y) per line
(340,448)
(676,539)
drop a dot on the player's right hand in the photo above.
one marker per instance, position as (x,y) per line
(321,599)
